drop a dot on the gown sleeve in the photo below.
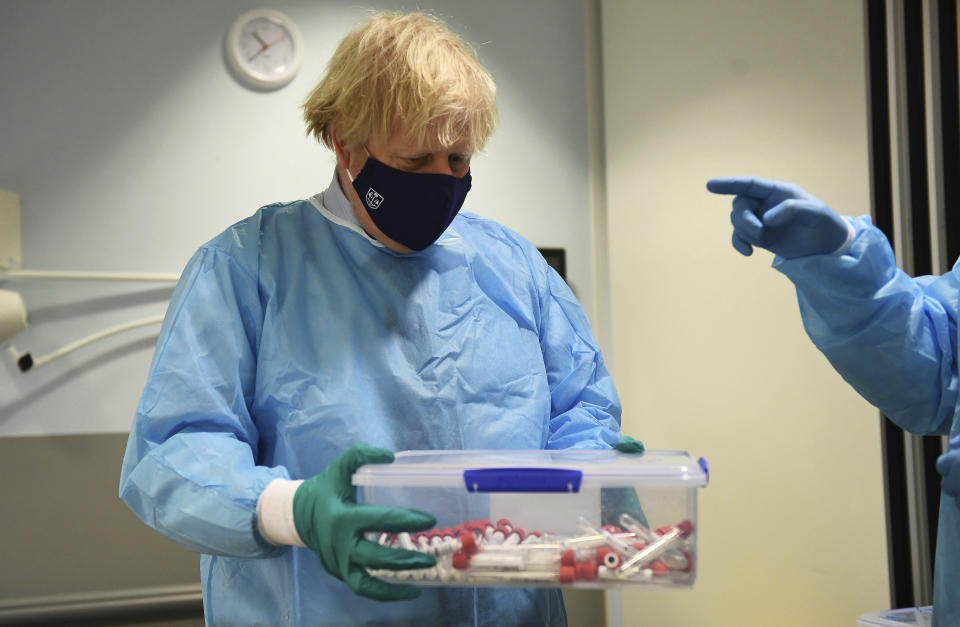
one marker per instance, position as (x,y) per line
(892,337)
(189,470)
(584,405)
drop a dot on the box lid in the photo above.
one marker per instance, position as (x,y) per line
(536,470)
(917,616)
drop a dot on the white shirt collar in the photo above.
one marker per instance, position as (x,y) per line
(333,205)
(336,202)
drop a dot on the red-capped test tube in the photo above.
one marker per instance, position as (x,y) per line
(520,560)
(618,542)
(466,542)
(667,540)
(523,566)
(675,558)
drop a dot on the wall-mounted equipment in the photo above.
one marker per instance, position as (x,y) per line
(556,259)
(13,312)
(10,255)
(13,316)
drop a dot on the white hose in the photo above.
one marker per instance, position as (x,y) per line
(69,348)
(70,275)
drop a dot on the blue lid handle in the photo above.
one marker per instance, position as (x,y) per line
(522,480)
(705,466)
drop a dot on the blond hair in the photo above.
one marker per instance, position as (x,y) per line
(403,73)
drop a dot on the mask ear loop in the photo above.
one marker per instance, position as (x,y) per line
(350,176)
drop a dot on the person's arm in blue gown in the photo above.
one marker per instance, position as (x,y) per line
(892,337)
(189,469)
(585,408)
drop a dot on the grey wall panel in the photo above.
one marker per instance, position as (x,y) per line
(64,528)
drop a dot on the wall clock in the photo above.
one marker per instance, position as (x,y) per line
(264,49)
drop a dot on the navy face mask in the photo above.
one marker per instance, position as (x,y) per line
(411,208)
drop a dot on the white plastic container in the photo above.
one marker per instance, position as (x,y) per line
(918,616)
(537,518)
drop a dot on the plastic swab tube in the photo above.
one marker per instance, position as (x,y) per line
(466,543)
(613,541)
(657,547)
(675,559)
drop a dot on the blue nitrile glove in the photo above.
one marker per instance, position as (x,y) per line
(948,465)
(626,444)
(780,217)
(329,521)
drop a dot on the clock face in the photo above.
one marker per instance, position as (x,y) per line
(264,48)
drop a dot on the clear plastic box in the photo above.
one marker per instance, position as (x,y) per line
(918,616)
(572,518)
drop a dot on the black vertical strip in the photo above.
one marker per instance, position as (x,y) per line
(921,232)
(950,126)
(899,555)
(891,436)
(879,117)
(917,131)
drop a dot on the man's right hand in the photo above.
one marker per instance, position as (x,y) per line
(332,525)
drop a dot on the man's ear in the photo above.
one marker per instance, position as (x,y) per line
(343,155)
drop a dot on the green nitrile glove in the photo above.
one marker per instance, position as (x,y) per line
(616,501)
(626,444)
(329,521)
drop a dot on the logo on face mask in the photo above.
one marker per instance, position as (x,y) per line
(373,198)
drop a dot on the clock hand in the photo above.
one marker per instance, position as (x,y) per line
(264,46)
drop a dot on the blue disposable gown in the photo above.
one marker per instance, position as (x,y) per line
(894,339)
(292,335)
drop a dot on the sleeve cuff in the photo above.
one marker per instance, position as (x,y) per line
(275,513)
(851,235)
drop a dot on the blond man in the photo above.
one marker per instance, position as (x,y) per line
(374,312)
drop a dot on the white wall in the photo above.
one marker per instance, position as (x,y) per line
(131,145)
(708,350)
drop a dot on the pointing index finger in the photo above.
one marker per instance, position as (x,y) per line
(749,186)
(766,191)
